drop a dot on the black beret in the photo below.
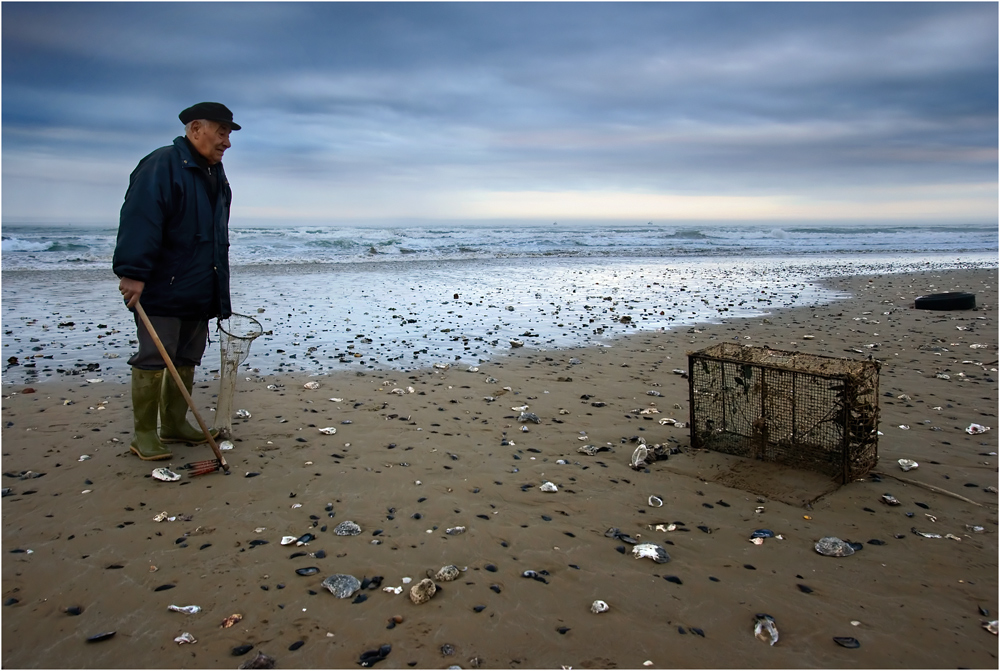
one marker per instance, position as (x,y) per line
(209,111)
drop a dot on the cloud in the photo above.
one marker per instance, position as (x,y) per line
(431,107)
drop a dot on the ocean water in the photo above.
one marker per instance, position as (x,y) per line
(40,248)
(408,298)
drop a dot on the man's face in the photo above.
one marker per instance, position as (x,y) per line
(211,139)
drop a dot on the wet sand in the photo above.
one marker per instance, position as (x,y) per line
(407,467)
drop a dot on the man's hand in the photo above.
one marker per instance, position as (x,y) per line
(131,290)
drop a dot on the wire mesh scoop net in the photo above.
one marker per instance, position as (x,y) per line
(238,332)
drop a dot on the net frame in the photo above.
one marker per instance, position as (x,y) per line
(802,410)
(237,333)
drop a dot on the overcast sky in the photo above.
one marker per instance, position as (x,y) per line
(382,112)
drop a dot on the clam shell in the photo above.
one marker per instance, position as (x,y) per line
(342,585)
(599,607)
(328,431)
(650,551)
(166,475)
(831,546)
(422,591)
(311,385)
(765,629)
(549,487)
(243,414)
(226,445)
(638,459)
(907,464)
(347,528)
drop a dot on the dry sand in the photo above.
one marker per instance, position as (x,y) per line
(407,467)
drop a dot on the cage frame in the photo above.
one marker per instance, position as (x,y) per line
(857,457)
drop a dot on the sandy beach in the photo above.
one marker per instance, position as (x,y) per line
(80,529)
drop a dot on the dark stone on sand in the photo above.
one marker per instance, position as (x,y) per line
(258,541)
(562,630)
(805,588)
(922,505)
(876,541)
(361,598)
(242,649)
(11,601)
(74,610)
(847,641)
(307,570)
(674,579)
(479,609)
(696,630)
(491,568)
(165,587)
(750,567)
(495,588)
(296,645)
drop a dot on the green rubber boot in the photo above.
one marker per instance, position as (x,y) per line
(145,406)
(174,427)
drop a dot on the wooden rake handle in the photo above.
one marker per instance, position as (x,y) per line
(180,384)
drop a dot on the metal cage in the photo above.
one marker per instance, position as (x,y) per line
(802,410)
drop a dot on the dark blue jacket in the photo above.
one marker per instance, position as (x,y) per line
(171,238)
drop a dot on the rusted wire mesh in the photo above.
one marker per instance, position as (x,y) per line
(237,333)
(803,410)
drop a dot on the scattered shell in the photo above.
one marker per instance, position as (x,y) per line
(103,636)
(231,620)
(243,414)
(328,431)
(307,570)
(667,420)
(162,516)
(259,661)
(650,551)
(454,531)
(548,487)
(592,449)
(226,445)
(655,502)
(442,366)
(991,627)
(764,628)
(166,475)
(447,573)
(347,528)
(187,610)
(185,638)
(975,429)
(528,417)
(311,385)
(599,607)
(342,585)
(890,500)
(422,591)
(904,427)
(831,546)
(846,641)
(288,540)
(907,464)
(638,459)
(84,457)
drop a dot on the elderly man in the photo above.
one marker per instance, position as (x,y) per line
(172,256)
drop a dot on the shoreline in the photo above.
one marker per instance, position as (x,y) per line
(411,465)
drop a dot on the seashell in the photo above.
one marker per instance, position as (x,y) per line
(655,501)
(454,531)
(447,573)
(667,420)
(831,546)
(243,414)
(231,620)
(347,528)
(650,551)
(103,636)
(889,499)
(907,464)
(975,429)
(226,445)
(764,628)
(165,475)
(307,570)
(185,638)
(259,661)
(846,641)
(991,626)
(548,487)
(529,417)
(187,610)
(288,540)
(422,591)
(638,459)
(311,385)
(342,585)
(328,431)
(592,449)
(517,343)
(762,533)
(442,366)
(304,539)
(599,607)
